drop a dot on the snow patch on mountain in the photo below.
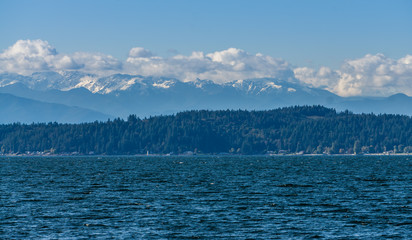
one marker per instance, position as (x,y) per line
(273,85)
(89,83)
(268,86)
(130,83)
(7,83)
(165,84)
(291,90)
(68,80)
(202,83)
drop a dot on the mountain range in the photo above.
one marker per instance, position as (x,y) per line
(72,96)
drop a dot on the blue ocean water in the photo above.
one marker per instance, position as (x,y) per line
(231,197)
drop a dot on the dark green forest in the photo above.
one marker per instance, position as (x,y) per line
(305,129)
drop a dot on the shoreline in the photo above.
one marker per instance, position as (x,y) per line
(203,155)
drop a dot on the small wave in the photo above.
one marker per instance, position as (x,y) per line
(291,185)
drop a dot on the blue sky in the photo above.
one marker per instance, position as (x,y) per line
(351,48)
(305,33)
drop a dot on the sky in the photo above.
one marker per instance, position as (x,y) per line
(348,47)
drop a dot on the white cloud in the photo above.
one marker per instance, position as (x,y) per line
(64,62)
(28,56)
(324,77)
(29,49)
(139,52)
(220,66)
(371,75)
(97,62)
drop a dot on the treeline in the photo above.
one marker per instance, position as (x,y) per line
(306,129)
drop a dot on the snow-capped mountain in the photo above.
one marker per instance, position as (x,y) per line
(122,94)
(67,80)
(63,80)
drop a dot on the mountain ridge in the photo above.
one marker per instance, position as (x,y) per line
(121,94)
(25,110)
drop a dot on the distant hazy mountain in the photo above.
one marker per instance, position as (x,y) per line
(122,94)
(395,104)
(23,110)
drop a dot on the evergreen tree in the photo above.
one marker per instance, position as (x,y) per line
(293,129)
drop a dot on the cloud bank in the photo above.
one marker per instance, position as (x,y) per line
(220,66)
(28,56)
(371,75)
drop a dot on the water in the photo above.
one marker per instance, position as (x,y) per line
(206,197)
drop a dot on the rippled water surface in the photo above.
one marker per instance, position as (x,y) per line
(206,197)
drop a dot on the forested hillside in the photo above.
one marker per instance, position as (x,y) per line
(307,129)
